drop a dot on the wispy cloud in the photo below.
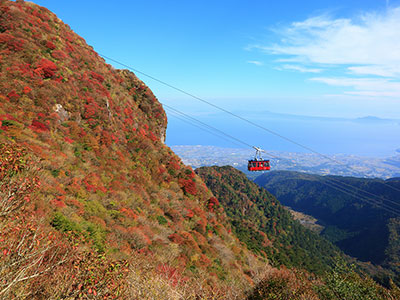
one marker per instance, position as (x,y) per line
(372,41)
(371,87)
(301,69)
(255,62)
(366,46)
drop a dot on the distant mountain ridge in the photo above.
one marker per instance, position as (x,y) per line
(274,115)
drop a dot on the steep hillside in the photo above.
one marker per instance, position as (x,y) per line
(93,205)
(358,228)
(260,221)
(89,141)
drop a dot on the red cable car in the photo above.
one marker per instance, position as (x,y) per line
(258,164)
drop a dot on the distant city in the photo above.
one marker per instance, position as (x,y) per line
(340,164)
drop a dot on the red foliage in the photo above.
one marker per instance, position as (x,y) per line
(25,70)
(189,213)
(204,261)
(129,213)
(12,96)
(46,68)
(188,185)
(96,76)
(212,204)
(59,78)
(200,239)
(93,183)
(38,126)
(50,45)
(152,136)
(176,238)
(59,202)
(202,223)
(13,43)
(142,132)
(58,54)
(27,90)
(68,140)
(161,170)
(91,109)
(106,138)
(128,111)
(174,164)
(69,48)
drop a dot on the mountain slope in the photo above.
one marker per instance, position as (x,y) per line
(93,205)
(109,188)
(261,222)
(358,228)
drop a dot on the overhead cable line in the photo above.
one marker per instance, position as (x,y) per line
(207,126)
(335,184)
(245,120)
(364,191)
(214,129)
(387,208)
(348,190)
(239,117)
(183,119)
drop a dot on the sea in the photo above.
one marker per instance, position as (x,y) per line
(368,136)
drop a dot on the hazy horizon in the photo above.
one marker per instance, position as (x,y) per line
(364,137)
(333,58)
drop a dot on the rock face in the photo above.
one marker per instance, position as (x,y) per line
(97,134)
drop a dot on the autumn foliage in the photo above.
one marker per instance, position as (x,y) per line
(103,187)
(93,204)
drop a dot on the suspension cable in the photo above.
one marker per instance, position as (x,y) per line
(333,183)
(250,122)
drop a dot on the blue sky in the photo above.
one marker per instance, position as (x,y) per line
(314,57)
(330,58)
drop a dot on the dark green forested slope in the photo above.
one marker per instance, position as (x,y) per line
(260,221)
(360,229)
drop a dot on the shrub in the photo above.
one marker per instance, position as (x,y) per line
(46,68)
(284,284)
(345,283)
(62,223)
(50,45)
(162,220)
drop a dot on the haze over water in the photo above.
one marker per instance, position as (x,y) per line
(362,137)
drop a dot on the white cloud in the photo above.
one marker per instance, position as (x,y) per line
(372,41)
(301,69)
(384,71)
(366,46)
(255,62)
(371,87)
